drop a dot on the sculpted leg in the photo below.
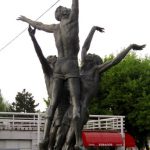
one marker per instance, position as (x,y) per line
(60,139)
(74,87)
(63,130)
(70,139)
(52,137)
(56,93)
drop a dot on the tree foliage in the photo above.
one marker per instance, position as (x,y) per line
(24,102)
(47,102)
(4,106)
(125,90)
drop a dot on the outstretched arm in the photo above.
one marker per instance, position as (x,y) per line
(120,56)
(46,68)
(38,25)
(88,40)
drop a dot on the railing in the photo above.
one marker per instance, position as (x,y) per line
(35,122)
(106,123)
(22,121)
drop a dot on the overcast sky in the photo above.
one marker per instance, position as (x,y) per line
(125,22)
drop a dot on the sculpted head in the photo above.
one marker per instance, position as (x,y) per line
(62,12)
(51,60)
(91,60)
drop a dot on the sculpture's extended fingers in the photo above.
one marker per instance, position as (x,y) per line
(22,18)
(143,46)
(100,29)
(18,18)
(138,47)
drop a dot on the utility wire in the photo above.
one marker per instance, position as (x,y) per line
(26,28)
(48,10)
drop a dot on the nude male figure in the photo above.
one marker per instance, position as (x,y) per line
(66,67)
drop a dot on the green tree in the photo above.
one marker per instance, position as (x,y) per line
(4,106)
(24,102)
(47,102)
(125,90)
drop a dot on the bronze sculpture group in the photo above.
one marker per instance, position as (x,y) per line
(69,86)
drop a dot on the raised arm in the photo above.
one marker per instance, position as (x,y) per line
(46,67)
(38,25)
(74,10)
(120,56)
(88,40)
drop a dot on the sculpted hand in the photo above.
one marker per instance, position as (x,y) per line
(31,31)
(22,18)
(99,29)
(137,47)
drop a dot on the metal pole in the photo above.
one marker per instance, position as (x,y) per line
(38,131)
(122,132)
(13,120)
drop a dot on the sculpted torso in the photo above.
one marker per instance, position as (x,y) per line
(66,38)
